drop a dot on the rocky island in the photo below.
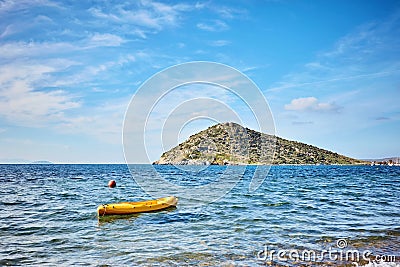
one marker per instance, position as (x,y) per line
(231,144)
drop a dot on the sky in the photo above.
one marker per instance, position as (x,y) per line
(329,71)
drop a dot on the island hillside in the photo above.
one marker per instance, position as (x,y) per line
(231,144)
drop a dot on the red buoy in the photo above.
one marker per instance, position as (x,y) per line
(112,184)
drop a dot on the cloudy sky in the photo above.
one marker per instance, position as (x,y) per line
(330,70)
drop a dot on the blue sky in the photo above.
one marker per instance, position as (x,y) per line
(330,70)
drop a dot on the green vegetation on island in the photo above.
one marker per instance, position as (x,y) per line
(232,144)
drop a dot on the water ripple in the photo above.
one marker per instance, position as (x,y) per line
(49,215)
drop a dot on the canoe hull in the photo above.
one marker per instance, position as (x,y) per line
(123,208)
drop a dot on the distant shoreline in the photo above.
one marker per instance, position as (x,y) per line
(366,164)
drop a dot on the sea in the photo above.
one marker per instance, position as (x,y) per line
(298,216)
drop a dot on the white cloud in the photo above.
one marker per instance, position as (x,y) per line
(44,20)
(310,104)
(213,26)
(370,51)
(7,31)
(144,16)
(219,43)
(245,69)
(22,49)
(103,122)
(366,37)
(140,33)
(22,103)
(8,6)
(316,66)
(105,39)
(302,122)
(200,5)
(90,73)
(228,12)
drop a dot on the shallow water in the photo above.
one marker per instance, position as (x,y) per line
(48,216)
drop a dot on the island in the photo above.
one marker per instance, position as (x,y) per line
(232,144)
(42,162)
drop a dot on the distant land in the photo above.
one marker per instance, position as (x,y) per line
(232,144)
(385,161)
(42,162)
(24,161)
(14,161)
(394,159)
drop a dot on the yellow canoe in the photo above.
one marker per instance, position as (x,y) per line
(136,207)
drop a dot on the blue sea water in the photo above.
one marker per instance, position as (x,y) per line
(48,216)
